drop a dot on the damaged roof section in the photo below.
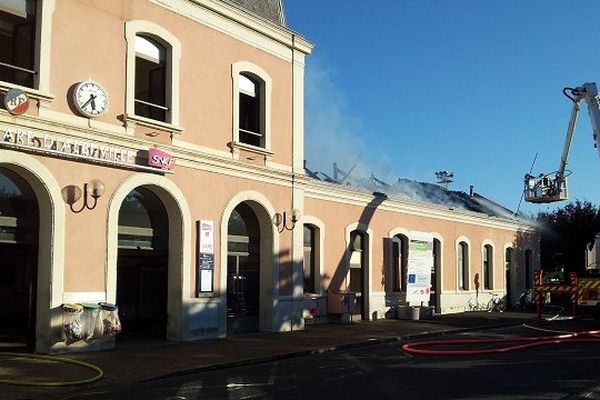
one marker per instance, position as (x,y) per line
(417,191)
(271,10)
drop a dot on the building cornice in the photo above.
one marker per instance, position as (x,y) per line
(193,157)
(244,26)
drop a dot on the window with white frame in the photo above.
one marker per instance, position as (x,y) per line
(488,267)
(462,263)
(18,42)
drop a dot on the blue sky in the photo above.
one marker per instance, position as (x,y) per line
(405,88)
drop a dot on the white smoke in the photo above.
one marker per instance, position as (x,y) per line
(334,135)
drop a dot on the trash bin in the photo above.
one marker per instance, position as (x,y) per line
(415,312)
(89,319)
(72,322)
(109,313)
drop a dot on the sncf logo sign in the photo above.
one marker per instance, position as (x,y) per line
(160,159)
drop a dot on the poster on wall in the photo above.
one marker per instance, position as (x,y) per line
(205,255)
(420,262)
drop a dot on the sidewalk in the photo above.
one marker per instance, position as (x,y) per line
(135,362)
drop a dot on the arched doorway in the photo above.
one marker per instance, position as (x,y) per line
(19,227)
(358,270)
(243,270)
(508,267)
(142,261)
(436,276)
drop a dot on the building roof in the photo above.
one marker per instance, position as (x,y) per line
(422,192)
(271,10)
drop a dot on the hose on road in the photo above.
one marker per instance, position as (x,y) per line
(425,348)
(99,372)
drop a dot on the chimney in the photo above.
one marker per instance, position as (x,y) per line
(471,188)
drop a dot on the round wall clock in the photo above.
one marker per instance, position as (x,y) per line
(90,99)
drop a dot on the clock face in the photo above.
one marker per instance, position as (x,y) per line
(91,99)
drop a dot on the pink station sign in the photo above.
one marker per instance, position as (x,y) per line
(160,159)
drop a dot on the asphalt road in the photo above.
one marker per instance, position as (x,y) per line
(557,371)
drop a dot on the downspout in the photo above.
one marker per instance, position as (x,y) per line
(293,253)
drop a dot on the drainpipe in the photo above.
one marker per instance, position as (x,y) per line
(294,231)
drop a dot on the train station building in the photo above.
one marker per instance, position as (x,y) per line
(152,158)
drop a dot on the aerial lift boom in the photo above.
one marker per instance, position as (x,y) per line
(551,187)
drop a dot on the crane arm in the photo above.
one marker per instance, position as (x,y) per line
(568,140)
(545,188)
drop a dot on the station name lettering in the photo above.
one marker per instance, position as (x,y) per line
(67,146)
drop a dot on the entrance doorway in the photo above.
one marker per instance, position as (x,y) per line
(243,270)
(509,257)
(142,260)
(19,219)
(358,266)
(436,276)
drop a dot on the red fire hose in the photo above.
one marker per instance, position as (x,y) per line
(517,344)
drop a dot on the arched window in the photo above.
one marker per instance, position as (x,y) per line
(310,261)
(508,258)
(399,262)
(150,79)
(462,262)
(488,267)
(142,221)
(153,58)
(251,107)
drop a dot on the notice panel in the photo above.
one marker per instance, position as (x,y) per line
(420,262)
(205,260)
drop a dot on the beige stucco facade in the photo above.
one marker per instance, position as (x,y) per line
(209,43)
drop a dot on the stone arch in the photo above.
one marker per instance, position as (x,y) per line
(367,272)
(51,243)
(320,246)
(269,246)
(179,247)
(469,272)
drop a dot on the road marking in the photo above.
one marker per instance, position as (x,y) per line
(358,363)
(270,381)
(242,385)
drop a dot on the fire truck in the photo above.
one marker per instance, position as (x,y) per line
(552,187)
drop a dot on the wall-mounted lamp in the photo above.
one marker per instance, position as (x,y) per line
(72,193)
(280,220)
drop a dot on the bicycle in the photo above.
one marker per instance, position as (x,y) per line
(477,306)
(496,303)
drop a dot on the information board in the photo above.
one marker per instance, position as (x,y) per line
(205,255)
(420,263)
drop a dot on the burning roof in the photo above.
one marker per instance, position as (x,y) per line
(416,191)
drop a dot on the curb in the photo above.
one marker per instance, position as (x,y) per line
(323,350)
